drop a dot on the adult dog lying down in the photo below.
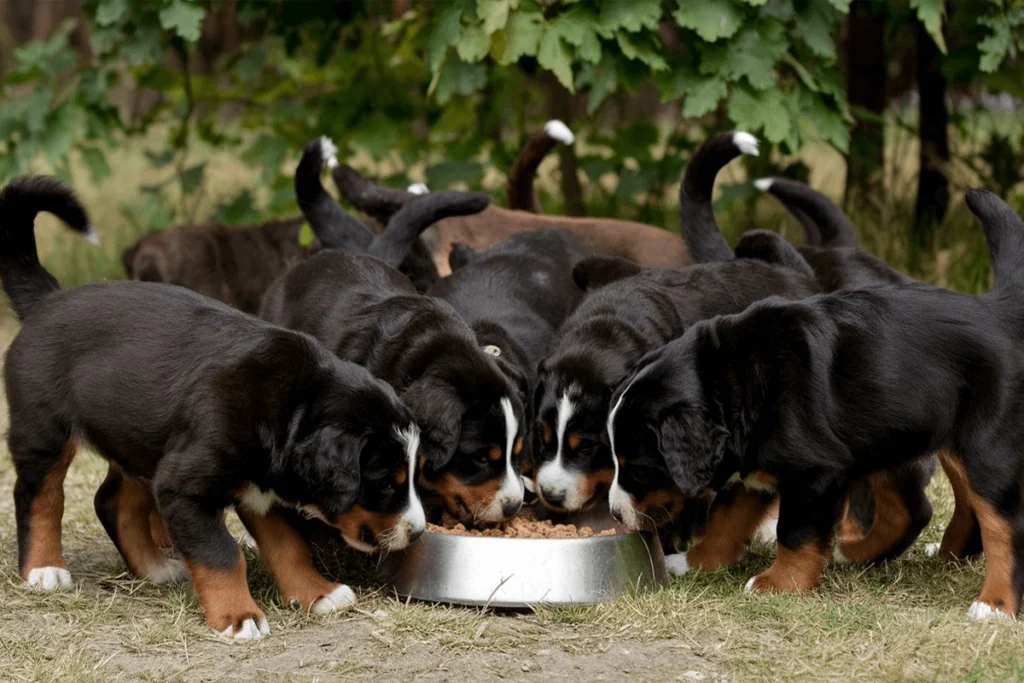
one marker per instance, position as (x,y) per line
(808,395)
(203,407)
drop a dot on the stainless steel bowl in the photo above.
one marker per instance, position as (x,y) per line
(520,572)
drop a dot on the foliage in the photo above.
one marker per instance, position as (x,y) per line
(453,86)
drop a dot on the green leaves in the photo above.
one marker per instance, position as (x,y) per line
(522,36)
(702,93)
(930,13)
(1005,37)
(447,31)
(631,15)
(711,19)
(184,18)
(553,56)
(755,111)
(494,14)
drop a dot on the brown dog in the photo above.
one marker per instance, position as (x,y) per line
(233,265)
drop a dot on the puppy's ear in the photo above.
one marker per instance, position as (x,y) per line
(693,449)
(772,248)
(325,463)
(598,271)
(438,411)
(459,256)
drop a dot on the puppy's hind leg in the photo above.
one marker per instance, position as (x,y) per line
(126,508)
(41,461)
(286,551)
(962,538)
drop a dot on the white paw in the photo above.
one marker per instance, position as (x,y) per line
(172,571)
(558,131)
(766,533)
(677,564)
(49,579)
(931,549)
(248,631)
(328,152)
(837,554)
(749,588)
(982,611)
(338,599)
(246,540)
(745,142)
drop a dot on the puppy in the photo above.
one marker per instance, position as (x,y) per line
(887,510)
(367,312)
(807,396)
(233,265)
(627,312)
(202,407)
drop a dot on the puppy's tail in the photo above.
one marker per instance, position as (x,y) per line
(699,228)
(416,216)
(376,201)
(333,226)
(825,223)
(1004,232)
(772,248)
(519,191)
(24,278)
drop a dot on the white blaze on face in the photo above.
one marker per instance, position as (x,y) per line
(620,503)
(554,478)
(413,520)
(512,489)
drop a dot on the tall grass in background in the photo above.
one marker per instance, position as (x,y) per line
(123,207)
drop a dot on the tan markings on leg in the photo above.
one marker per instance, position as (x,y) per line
(961,524)
(289,557)
(729,528)
(158,530)
(888,527)
(224,595)
(849,528)
(45,516)
(793,571)
(134,506)
(997,544)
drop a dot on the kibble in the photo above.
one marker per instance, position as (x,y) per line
(522,527)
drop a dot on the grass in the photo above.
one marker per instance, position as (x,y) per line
(905,620)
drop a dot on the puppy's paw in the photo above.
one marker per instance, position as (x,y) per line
(341,598)
(249,629)
(49,579)
(931,549)
(677,564)
(171,571)
(982,611)
(838,556)
(766,532)
(767,582)
(246,540)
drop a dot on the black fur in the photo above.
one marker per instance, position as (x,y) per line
(819,392)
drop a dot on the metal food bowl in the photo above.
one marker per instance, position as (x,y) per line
(522,572)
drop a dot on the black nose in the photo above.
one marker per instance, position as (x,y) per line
(553,498)
(511,507)
(415,534)
(616,515)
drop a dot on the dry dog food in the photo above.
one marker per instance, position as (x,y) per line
(522,527)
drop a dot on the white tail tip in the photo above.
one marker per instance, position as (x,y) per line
(764,184)
(746,142)
(328,152)
(418,188)
(90,235)
(556,130)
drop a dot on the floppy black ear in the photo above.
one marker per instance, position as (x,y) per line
(459,256)
(324,463)
(598,271)
(693,449)
(438,411)
(772,248)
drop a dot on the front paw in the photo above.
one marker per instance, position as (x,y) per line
(243,624)
(341,598)
(767,582)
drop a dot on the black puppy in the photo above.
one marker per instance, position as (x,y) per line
(810,395)
(367,312)
(627,312)
(203,406)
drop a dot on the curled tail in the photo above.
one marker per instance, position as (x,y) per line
(24,278)
(333,226)
(519,191)
(825,223)
(1004,233)
(697,218)
(413,218)
(376,201)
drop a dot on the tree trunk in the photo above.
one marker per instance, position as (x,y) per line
(865,90)
(932,183)
(560,107)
